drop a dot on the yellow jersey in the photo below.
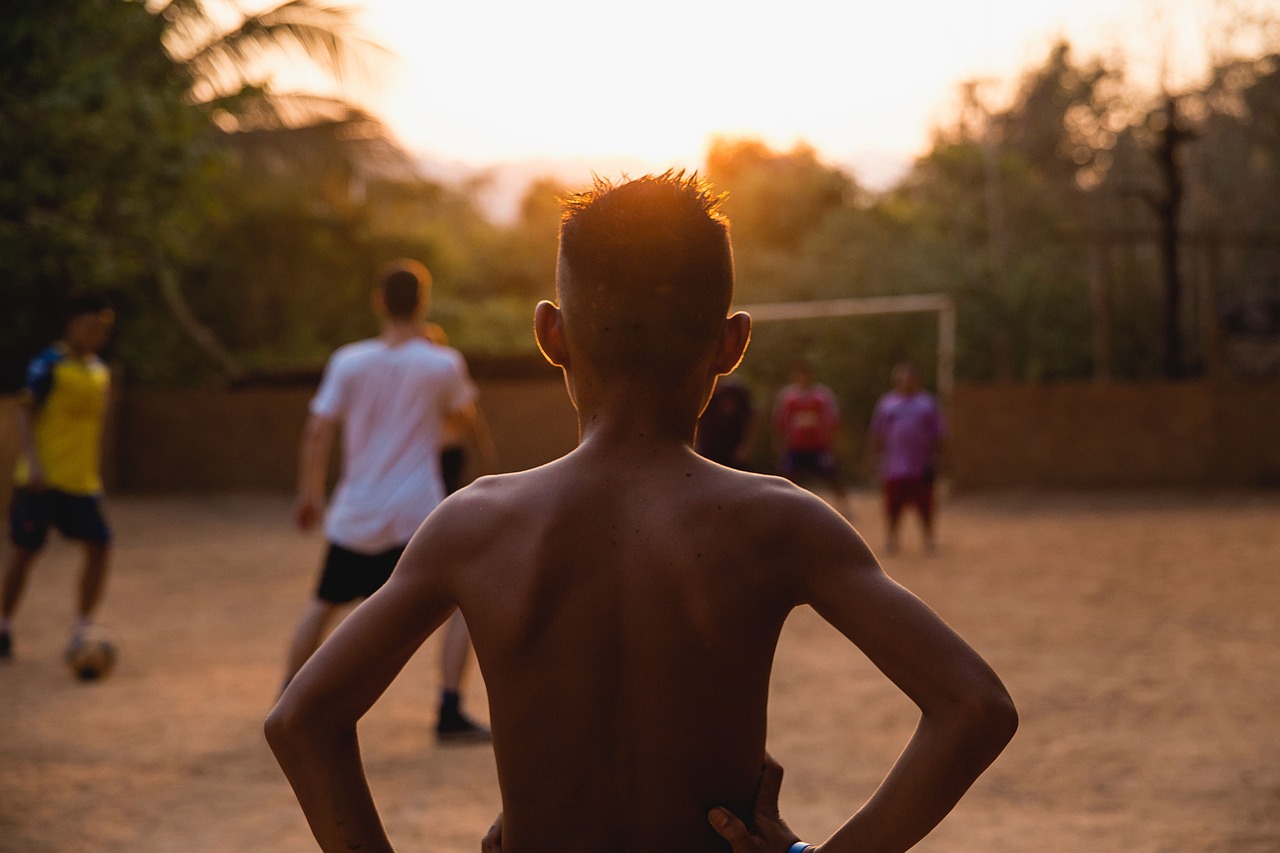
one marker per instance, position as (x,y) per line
(68,399)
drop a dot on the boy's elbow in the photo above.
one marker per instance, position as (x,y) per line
(1002,717)
(278,727)
(285,727)
(992,713)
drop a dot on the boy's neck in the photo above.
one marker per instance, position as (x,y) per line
(628,418)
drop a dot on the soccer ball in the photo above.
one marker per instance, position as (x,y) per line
(91,657)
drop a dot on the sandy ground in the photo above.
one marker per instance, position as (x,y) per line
(1139,635)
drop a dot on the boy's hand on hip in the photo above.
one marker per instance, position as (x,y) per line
(768,833)
(492,841)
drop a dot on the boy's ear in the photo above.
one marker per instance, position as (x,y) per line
(733,342)
(548,329)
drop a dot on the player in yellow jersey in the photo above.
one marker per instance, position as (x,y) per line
(58,480)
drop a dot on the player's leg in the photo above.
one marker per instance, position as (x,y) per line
(92,581)
(342,580)
(787,464)
(80,517)
(455,653)
(927,506)
(28,528)
(307,636)
(830,473)
(893,503)
(15,581)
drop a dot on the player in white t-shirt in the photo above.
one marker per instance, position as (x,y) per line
(392,396)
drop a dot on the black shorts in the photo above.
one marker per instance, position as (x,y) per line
(348,575)
(808,461)
(453,464)
(75,516)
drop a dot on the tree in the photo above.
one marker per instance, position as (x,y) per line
(228,56)
(102,163)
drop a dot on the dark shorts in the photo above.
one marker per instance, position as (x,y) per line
(908,491)
(819,462)
(348,575)
(75,516)
(453,464)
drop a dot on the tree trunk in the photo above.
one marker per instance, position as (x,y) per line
(1168,212)
(200,334)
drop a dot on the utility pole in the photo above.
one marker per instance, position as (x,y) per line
(1168,209)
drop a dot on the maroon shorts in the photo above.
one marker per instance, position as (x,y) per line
(909,491)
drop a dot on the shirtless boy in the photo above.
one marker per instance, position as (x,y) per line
(625,600)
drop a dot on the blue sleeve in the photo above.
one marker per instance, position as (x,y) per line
(40,377)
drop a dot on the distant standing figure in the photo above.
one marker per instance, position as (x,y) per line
(392,396)
(725,425)
(907,433)
(805,417)
(456,648)
(58,479)
(458,431)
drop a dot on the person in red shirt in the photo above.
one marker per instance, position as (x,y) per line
(805,417)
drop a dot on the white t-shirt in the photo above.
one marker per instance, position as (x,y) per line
(453,435)
(391,403)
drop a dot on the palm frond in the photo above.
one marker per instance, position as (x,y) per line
(254,109)
(323,34)
(296,122)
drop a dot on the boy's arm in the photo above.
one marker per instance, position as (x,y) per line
(27,438)
(312,729)
(966,718)
(313,466)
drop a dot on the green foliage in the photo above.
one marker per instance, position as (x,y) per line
(100,163)
(109,179)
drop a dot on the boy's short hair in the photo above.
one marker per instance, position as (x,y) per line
(645,273)
(405,286)
(85,302)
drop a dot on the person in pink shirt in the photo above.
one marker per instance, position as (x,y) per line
(805,417)
(907,432)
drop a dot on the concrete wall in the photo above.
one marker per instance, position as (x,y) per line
(200,440)
(1071,435)
(1087,435)
(9,409)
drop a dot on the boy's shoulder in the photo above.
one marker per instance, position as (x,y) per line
(487,497)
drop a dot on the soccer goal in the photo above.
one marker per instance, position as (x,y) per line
(766,312)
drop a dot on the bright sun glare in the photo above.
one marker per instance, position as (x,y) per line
(489,81)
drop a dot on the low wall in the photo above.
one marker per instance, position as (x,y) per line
(1069,435)
(1089,435)
(201,440)
(9,409)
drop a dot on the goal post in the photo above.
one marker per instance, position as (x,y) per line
(765,312)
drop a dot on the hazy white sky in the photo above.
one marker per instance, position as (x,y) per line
(486,81)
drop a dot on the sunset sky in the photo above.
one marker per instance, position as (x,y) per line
(489,81)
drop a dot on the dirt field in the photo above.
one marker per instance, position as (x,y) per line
(1139,635)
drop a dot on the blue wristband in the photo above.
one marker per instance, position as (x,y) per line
(798,847)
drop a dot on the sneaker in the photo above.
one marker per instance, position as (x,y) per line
(458,728)
(6,646)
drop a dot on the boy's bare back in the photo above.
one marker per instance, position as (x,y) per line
(625,606)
